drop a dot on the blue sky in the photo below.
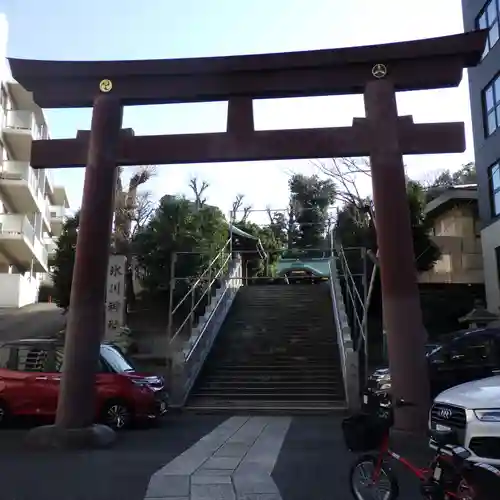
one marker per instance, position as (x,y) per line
(133,29)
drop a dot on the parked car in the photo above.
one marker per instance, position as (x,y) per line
(472,412)
(460,357)
(30,374)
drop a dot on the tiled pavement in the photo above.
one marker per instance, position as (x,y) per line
(258,458)
(235,461)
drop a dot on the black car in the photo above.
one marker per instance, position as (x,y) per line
(457,358)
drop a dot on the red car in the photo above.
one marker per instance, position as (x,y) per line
(30,374)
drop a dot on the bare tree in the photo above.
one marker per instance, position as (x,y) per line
(198,191)
(346,172)
(129,208)
(143,211)
(238,207)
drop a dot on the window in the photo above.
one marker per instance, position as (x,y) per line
(4,358)
(497,255)
(115,360)
(489,19)
(32,359)
(494,176)
(491,106)
(59,358)
(474,349)
(59,362)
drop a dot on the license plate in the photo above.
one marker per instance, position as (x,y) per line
(365,399)
(442,428)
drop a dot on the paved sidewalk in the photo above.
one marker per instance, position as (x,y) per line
(233,462)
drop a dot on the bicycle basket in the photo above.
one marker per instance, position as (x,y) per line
(364,432)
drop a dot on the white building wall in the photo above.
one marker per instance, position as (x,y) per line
(490,240)
(20,287)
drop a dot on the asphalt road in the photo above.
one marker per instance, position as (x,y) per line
(313,463)
(120,473)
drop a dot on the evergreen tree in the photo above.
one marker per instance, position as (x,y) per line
(64,261)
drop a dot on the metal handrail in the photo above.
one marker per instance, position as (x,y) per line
(206,291)
(359,326)
(200,278)
(338,324)
(345,266)
(211,315)
(350,287)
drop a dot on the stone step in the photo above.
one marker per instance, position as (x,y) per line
(275,359)
(282,369)
(272,378)
(276,349)
(289,352)
(275,340)
(272,319)
(272,387)
(270,396)
(211,405)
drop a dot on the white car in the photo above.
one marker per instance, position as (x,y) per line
(472,410)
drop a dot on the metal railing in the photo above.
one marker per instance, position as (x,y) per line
(205,282)
(187,353)
(341,341)
(355,302)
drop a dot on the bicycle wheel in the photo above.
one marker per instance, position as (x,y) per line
(364,487)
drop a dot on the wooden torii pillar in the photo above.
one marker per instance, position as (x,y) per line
(378,72)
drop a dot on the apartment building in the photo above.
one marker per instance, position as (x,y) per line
(484,85)
(31,208)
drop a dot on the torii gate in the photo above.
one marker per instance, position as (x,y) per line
(375,71)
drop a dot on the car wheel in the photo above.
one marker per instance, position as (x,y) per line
(117,415)
(4,414)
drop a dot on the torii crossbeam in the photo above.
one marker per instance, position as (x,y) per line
(375,71)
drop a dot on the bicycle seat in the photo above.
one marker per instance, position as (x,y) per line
(403,403)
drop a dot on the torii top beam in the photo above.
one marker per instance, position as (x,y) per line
(416,65)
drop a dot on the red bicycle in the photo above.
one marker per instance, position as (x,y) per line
(448,476)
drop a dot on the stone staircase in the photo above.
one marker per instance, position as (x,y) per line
(277,349)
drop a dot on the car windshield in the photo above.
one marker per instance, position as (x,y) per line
(448,339)
(115,359)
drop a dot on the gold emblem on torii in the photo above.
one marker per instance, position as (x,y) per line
(105,85)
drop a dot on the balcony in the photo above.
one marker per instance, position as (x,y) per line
(20,187)
(19,245)
(18,131)
(60,197)
(57,216)
(22,97)
(49,185)
(51,245)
